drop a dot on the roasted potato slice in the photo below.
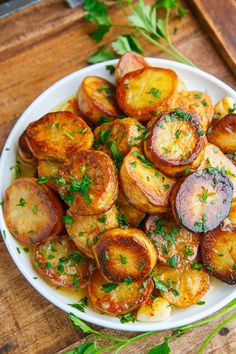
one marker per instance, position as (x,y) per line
(62,263)
(96,99)
(24,153)
(214,158)
(181,287)
(223,133)
(144,93)
(223,107)
(58,136)
(84,230)
(49,170)
(218,250)
(154,310)
(117,298)
(32,211)
(196,102)
(202,200)
(232,214)
(124,133)
(122,254)
(90,183)
(175,143)
(129,62)
(129,215)
(175,245)
(145,187)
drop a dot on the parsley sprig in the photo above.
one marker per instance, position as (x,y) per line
(142,19)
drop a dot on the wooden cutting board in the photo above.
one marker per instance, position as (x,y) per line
(218,20)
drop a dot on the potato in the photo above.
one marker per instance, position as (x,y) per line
(214,158)
(154,310)
(129,62)
(116,299)
(84,230)
(62,263)
(175,143)
(131,216)
(223,134)
(145,187)
(123,133)
(202,200)
(90,183)
(32,211)
(144,93)
(58,136)
(218,249)
(181,287)
(223,107)
(96,99)
(232,214)
(24,154)
(122,254)
(195,102)
(175,245)
(49,170)
(232,157)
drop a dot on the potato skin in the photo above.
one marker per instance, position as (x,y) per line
(125,132)
(173,153)
(122,299)
(145,188)
(191,284)
(129,62)
(96,98)
(26,204)
(137,96)
(24,153)
(171,240)
(62,263)
(85,229)
(58,136)
(132,215)
(122,254)
(218,250)
(223,134)
(202,200)
(98,173)
(49,169)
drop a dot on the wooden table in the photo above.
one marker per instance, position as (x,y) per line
(38,46)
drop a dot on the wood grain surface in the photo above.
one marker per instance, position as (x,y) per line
(38,46)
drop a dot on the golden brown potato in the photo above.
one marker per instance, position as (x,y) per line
(144,93)
(122,254)
(117,298)
(223,133)
(49,170)
(225,106)
(197,103)
(214,158)
(96,99)
(154,310)
(58,136)
(202,200)
(175,143)
(175,245)
(181,287)
(62,263)
(84,230)
(232,214)
(129,62)
(32,211)
(24,154)
(218,249)
(123,133)
(90,183)
(129,216)
(145,187)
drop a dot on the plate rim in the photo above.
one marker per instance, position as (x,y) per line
(146,326)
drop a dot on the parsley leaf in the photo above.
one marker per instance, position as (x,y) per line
(81,304)
(101,55)
(127,43)
(144,16)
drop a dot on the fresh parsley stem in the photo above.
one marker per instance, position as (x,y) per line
(167,26)
(109,347)
(187,61)
(117,339)
(125,13)
(214,332)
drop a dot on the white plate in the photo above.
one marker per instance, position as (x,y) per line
(218,295)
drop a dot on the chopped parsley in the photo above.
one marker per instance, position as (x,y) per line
(127,317)
(123,259)
(155,92)
(173,261)
(102,218)
(22,202)
(68,220)
(82,304)
(109,287)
